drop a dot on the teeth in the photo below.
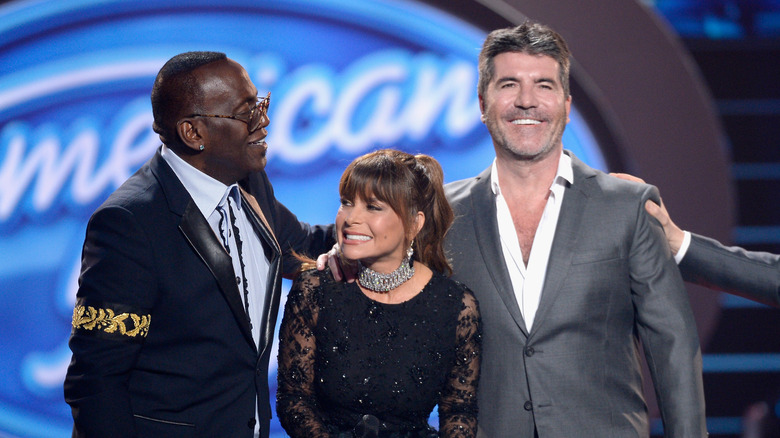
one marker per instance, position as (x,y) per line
(357,237)
(525,122)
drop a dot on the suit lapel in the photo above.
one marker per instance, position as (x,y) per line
(489,242)
(201,237)
(565,240)
(273,288)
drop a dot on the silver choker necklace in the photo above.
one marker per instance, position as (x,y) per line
(383,283)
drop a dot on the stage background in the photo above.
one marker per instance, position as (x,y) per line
(681,93)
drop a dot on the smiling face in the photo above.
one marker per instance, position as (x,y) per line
(231,152)
(372,232)
(525,107)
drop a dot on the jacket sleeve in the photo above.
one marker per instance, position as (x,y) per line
(667,328)
(753,275)
(291,233)
(111,319)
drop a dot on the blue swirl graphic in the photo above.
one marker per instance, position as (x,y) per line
(75,121)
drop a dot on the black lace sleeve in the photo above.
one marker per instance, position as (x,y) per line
(458,405)
(296,402)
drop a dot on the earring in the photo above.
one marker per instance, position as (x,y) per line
(482,118)
(202,147)
(410,251)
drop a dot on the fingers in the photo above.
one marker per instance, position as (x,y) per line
(659,212)
(655,210)
(334,262)
(628,177)
(674,235)
(341,268)
(322,260)
(348,269)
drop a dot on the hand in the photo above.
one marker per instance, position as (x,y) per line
(674,235)
(342,268)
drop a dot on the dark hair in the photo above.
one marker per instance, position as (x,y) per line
(408,184)
(175,90)
(531,38)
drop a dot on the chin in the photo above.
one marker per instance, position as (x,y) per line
(258,164)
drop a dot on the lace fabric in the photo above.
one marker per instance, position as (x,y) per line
(343,355)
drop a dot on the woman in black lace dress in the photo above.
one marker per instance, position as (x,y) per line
(373,357)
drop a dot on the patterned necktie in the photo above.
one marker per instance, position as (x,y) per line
(233,199)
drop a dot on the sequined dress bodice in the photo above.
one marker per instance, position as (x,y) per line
(343,355)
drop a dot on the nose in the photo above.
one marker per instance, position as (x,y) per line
(352,216)
(264,122)
(525,98)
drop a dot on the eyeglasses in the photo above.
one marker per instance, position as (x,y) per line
(253,119)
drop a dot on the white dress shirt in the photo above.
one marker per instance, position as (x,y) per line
(528,281)
(683,247)
(208,194)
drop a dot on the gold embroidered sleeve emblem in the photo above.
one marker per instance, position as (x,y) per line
(106,321)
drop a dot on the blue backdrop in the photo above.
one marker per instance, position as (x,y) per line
(75,121)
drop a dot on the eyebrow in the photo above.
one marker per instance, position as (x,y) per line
(536,81)
(506,79)
(546,80)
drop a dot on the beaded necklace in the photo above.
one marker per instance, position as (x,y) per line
(383,283)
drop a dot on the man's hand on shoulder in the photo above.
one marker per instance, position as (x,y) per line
(341,268)
(674,234)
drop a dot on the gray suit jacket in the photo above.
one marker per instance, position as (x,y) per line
(610,282)
(753,275)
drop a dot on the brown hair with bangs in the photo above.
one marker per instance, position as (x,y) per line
(408,184)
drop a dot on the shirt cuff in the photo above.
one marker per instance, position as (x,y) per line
(683,247)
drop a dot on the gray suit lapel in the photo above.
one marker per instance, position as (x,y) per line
(565,241)
(489,242)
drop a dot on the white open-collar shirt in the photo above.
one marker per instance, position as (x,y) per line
(528,281)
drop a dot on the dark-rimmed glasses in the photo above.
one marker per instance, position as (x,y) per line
(254,117)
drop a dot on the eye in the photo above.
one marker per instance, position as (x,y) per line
(246,113)
(375,205)
(346,202)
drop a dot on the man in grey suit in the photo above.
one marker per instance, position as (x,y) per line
(569,272)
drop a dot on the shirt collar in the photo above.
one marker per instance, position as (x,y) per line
(206,191)
(565,174)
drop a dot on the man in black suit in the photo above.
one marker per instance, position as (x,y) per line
(751,274)
(754,275)
(181,269)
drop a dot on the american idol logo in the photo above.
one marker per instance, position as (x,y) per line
(388,98)
(75,122)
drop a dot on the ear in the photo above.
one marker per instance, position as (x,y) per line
(419,221)
(190,131)
(481,109)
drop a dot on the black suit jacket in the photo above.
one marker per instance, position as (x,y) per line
(161,343)
(753,275)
